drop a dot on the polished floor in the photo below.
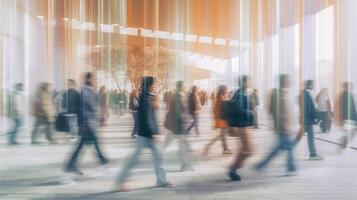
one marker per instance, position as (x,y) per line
(35,172)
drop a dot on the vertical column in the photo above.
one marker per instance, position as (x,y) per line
(245,45)
(309,47)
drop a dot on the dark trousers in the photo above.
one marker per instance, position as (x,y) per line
(12,135)
(135,128)
(73,160)
(325,121)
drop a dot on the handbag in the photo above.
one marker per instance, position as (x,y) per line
(62,124)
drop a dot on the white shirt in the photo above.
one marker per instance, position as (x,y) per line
(323,104)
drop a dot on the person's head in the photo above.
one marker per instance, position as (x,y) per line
(284,81)
(244,82)
(180,86)
(89,79)
(347,86)
(71,83)
(19,87)
(222,90)
(44,87)
(255,91)
(309,85)
(194,89)
(148,84)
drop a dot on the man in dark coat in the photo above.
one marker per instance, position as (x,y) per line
(308,117)
(148,135)
(70,104)
(88,124)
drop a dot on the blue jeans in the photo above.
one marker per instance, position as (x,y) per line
(144,142)
(309,129)
(284,143)
(184,147)
(194,124)
(12,135)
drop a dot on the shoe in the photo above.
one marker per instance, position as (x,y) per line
(74,170)
(291,173)
(122,188)
(165,185)
(187,168)
(227,152)
(234,176)
(258,167)
(344,142)
(105,163)
(316,157)
(14,143)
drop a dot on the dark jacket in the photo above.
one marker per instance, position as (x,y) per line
(308,108)
(70,101)
(348,106)
(243,110)
(147,116)
(178,110)
(88,115)
(193,103)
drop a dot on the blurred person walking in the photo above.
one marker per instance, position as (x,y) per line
(134,106)
(16,109)
(121,102)
(213,97)
(103,105)
(126,102)
(308,117)
(176,122)
(348,114)
(43,112)
(70,105)
(255,105)
(324,110)
(88,124)
(116,106)
(220,123)
(194,108)
(241,118)
(280,109)
(148,135)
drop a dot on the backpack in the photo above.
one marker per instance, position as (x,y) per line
(237,112)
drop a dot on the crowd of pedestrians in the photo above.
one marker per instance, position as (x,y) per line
(81,112)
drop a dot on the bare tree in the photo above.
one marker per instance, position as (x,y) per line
(135,62)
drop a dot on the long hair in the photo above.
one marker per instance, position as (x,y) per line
(221,91)
(87,77)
